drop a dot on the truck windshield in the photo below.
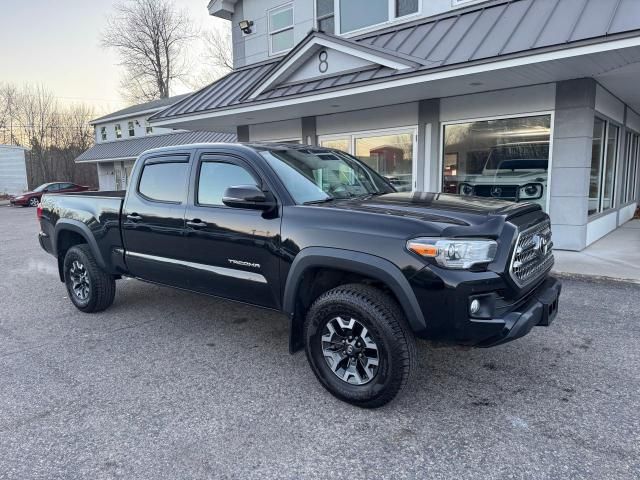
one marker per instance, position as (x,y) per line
(521,156)
(317,175)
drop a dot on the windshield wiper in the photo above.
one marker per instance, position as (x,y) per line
(322,200)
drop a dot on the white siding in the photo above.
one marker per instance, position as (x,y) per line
(514,101)
(402,115)
(139,128)
(609,105)
(13,170)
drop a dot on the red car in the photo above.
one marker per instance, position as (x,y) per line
(32,198)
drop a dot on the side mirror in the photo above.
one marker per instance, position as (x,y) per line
(247,196)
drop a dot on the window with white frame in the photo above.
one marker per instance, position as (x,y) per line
(604,154)
(103,133)
(504,158)
(118,130)
(132,129)
(148,128)
(391,153)
(325,16)
(280,29)
(358,14)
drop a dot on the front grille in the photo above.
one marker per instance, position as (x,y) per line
(506,192)
(533,255)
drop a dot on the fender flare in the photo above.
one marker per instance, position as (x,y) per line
(361,263)
(76,226)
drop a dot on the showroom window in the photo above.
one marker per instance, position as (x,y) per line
(630,167)
(358,14)
(604,154)
(281,29)
(505,158)
(391,153)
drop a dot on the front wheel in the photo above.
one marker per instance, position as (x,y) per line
(359,345)
(90,288)
(33,202)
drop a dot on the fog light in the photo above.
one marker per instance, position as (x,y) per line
(474,307)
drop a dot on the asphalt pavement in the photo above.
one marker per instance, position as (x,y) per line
(170,385)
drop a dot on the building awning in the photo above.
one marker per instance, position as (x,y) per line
(130,149)
(499,35)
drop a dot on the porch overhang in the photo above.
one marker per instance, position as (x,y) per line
(613,62)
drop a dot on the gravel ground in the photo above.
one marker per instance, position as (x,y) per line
(168,384)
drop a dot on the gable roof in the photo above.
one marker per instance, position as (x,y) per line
(142,107)
(132,148)
(482,33)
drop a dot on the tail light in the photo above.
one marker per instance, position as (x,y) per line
(39,211)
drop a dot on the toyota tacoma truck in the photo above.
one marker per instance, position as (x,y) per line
(360,269)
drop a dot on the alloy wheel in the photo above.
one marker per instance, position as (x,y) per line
(350,350)
(80,283)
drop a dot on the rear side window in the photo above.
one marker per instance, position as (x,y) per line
(216,177)
(164,182)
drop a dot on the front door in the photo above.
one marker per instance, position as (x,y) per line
(231,252)
(153,219)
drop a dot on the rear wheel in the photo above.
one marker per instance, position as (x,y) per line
(359,345)
(90,288)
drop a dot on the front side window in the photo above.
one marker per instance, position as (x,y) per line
(132,130)
(164,182)
(216,177)
(317,175)
(103,133)
(118,130)
(506,159)
(281,29)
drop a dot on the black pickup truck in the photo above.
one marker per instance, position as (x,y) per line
(358,268)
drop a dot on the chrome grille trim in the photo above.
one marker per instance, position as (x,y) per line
(531,259)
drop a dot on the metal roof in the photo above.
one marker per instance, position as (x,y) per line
(486,31)
(132,148)
(142,107)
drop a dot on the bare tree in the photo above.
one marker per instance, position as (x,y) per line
(150,37)
(8,112)
(216,57)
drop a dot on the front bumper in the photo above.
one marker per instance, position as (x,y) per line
(539,309)
(21,202)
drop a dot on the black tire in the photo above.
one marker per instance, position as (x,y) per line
(388,330)
(33,202)
(100,287)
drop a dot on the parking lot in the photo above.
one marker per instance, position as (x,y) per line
(168,384)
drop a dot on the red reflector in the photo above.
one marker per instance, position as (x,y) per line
(39,211)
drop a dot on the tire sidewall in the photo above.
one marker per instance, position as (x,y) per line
(72,255)
(318,318)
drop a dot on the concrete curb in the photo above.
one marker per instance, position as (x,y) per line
(594,278)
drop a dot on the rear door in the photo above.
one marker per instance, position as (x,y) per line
(232,252)
(153,224)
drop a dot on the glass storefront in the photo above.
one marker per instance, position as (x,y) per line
(389,153)
(506,159)
(604,155)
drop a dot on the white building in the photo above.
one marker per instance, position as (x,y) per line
(123,135)
(13,170)
(529,100)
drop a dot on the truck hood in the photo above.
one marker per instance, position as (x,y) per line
(434,207)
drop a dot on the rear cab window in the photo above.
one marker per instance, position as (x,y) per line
(164,179)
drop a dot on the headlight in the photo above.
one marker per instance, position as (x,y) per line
(454,253)
(531,191)
(466,189)
(21,197)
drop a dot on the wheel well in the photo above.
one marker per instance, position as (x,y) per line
(314,282)
(66,239)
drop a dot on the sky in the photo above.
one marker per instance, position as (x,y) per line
(56,43)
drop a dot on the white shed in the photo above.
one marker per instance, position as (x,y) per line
(13,169)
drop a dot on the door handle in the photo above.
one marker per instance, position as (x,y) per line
(196,223)
(134,217)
